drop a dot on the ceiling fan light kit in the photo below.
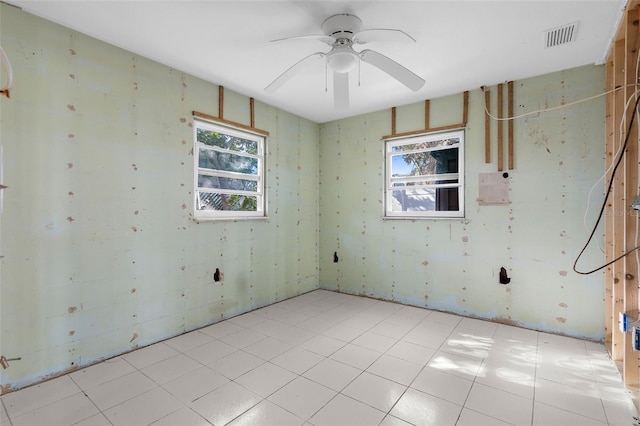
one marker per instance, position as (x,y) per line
(341,32)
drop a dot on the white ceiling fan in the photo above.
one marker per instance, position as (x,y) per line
(342,32)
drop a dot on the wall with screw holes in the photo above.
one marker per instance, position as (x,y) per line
(454,265)
(99,251)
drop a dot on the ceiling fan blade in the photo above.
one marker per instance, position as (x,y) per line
(394,69)
(294,69)
(320,37)
(341,90)
(382,34)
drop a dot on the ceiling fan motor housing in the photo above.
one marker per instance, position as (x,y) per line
(342,26)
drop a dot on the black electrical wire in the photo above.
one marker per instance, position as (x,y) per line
(604,202)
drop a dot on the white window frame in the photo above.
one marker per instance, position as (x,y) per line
(200,214)
(389,213)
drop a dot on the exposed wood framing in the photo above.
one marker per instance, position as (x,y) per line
(500,142)
(510,124)
(252,112)
(487,127)
(220,102)
(230,123)
(428,129)
(427,114)
(393,120)
(621,221)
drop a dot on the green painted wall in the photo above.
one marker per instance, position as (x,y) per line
(99,250)
(453,265)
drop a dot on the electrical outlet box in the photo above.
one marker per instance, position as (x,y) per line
(623,322)
(636,339)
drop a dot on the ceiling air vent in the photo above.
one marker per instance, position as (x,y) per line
(561,35)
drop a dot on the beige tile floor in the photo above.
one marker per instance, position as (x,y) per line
(326,358)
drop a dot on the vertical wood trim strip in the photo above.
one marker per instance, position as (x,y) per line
(393,120)
(510,123)
(487,127)
(220,102)
(427,114)
(500,143)
(465,108)
(252,112)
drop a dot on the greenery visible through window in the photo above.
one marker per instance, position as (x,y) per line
(229,172)
(425,176)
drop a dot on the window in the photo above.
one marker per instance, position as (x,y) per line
(425,176)
(229,172)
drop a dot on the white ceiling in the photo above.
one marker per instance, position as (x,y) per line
(461,45)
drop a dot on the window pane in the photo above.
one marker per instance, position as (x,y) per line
(211,138)
(214,160)
(205,181)
(443,143)
(229,202)
(425,163)
(425,200)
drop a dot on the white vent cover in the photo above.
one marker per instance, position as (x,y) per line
(561,35)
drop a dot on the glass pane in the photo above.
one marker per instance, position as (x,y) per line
(233,143)
(229,202)
(425,163)
(425,199)
(443,143)
(214,160)
(227,183)
(423,182)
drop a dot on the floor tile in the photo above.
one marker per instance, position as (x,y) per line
(345,411)
(221,329)
(267,348)
(342,332)
(373,341)
(546,415)
(210,352)
(585,402)
(246,320)
(294,335)
(236,364)
(143,409)
(509,377)
(443,385)
(120,390)
(297,360)
(419,408)
(265,379)
(389,420)
(183,417)
(95,420)
(242,338)
(302,397)
(411,352)
(171,368)
(473,418)
(323,345)
(501,405)
(148,355)
(66,411)
(194,385)
(225,403)
(332,374)
(396,369)
(103,372)
(31,398)
(356,356)
(461,366)
(375,391)
(186,341)
(267,413)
